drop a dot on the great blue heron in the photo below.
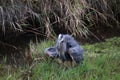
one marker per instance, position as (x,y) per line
(67,49)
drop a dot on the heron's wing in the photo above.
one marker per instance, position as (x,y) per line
(76,54)
(51,52)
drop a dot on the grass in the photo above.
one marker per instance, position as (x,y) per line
(102,62)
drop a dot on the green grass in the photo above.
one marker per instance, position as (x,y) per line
(102,62)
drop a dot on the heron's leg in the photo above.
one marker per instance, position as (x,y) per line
(73,61)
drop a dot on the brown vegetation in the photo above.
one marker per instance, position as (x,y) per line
(50,17)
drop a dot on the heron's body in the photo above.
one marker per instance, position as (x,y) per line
(68,49)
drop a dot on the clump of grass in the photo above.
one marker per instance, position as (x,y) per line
(101,62)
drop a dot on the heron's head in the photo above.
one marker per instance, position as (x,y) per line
(61,43)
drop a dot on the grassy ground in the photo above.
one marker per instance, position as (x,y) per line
(102,62)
